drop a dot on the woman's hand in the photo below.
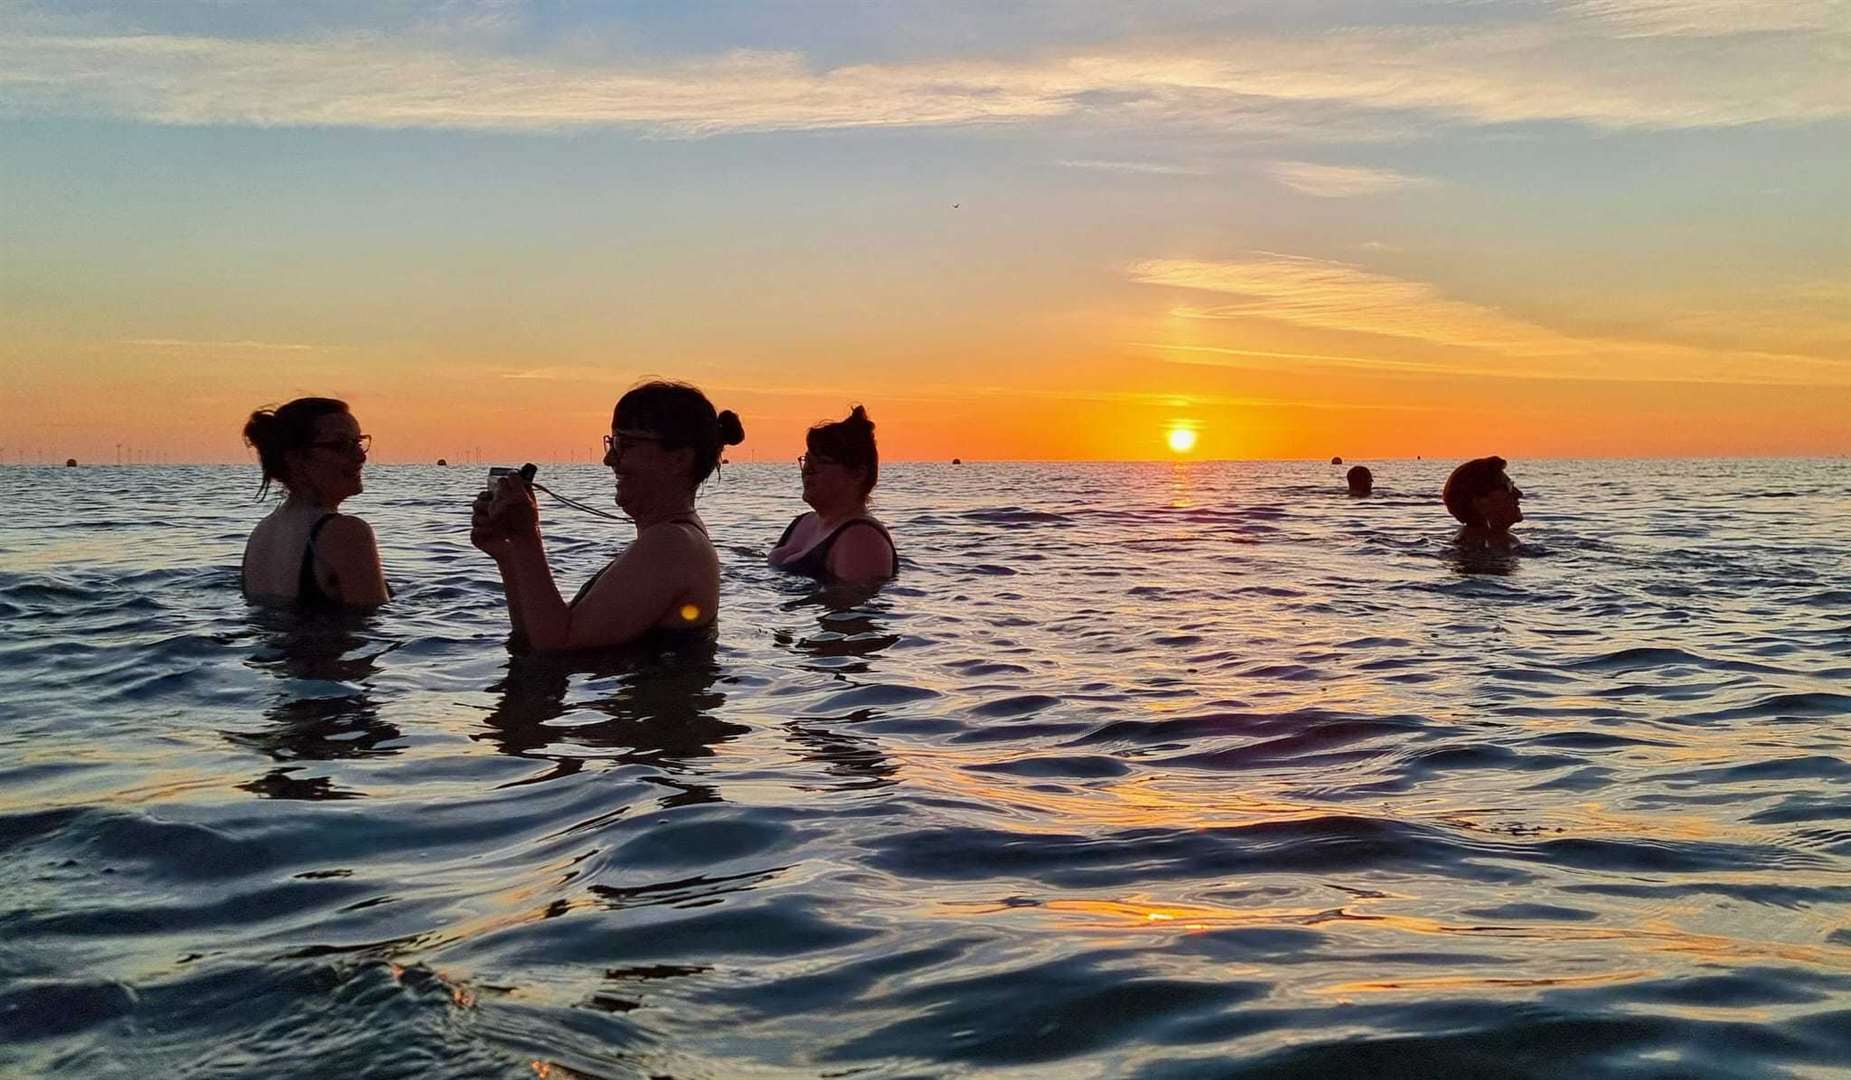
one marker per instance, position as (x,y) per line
(505,517)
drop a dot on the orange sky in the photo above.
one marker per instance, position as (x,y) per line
(1383,229)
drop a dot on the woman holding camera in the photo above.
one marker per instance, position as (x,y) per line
(306,551)
(665,440)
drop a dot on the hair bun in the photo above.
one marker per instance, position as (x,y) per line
(732,432)
(259,426)
(858,417)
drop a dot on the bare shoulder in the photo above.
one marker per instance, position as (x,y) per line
(672,537)
(347,531)
(862,552)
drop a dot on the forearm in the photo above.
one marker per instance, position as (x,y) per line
(536,610)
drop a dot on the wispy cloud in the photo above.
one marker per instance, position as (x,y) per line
(1340,181)
(1155,168)
(1352,80)
(563,374)
(222,346)
(1341,297)
(1712,18)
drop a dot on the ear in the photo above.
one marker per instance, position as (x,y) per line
(292,465)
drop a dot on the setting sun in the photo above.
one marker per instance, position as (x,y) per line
(1182,440)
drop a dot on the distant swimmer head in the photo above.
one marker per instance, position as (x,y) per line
(312,446)
(1361,480)
(665,440)
(841,463)
(1481,496)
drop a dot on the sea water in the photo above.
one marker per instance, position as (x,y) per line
(1202,769)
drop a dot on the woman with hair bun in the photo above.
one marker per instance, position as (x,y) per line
(665,441)
(306,551)
(1484,500)
(839,539)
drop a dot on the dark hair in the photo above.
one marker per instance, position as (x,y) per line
(680,416)
(1476,477)
(275,432)
(1359,476)
(851,442)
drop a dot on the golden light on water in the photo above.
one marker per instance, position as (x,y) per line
(1182,439)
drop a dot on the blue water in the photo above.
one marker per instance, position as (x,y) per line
(1137,770)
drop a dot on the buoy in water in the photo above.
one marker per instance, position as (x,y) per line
(445,462)
(957,461)
(1336,461)
(70,463)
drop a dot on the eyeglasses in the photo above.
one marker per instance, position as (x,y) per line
(359,444)
(810,462)
(626,441)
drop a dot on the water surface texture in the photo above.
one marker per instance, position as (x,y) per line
(1137,770)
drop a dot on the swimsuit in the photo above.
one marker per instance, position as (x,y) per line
(815,562)
(309,592)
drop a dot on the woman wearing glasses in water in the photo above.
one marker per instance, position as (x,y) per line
(839,539)
(665,440)
(306,551)
(1487,504)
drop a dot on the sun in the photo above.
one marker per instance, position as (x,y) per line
(1182,439)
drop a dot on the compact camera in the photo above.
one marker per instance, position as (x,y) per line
(525,472)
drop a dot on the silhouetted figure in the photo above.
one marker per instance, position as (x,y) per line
(838,540)
(1485,501)
(665,441)
(1360,479)
(70,463)
(306,551)
(1336,461)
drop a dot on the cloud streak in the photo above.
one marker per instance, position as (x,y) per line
(223,346)
(1153,168)
(1344,298)
(1340,181)
(1566,69)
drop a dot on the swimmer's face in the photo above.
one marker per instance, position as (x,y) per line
(646,472)
(329,466)
(1501,507)
(828,482)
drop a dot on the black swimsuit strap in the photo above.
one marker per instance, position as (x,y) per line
(815,561)
(308,588)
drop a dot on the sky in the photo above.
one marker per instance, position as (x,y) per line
(1043,229)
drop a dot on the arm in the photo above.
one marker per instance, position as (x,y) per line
(861,553)
(539,615)
(347,546)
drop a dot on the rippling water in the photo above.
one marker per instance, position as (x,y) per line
(1137,770)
